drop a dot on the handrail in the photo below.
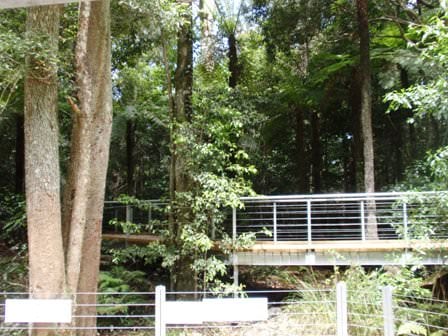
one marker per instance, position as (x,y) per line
(345,196)
(352,216)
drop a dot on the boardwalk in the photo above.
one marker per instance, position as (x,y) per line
(330,229)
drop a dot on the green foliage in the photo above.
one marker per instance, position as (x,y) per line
(14,269)
(364,297)
(13,48)
(13,218)
(120,280)
(412,328)
(429,95)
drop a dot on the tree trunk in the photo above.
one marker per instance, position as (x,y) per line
(182,278)
(79,240)
(301,173)
(366,114)
(234,67)
(20,155)
(92,129)
(316,153)
(183,76)
(354,183)
(46,255)
(130,156)
(206,40)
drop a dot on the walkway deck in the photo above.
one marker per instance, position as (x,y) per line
(330,253)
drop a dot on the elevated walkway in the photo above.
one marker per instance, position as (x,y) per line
(331,229)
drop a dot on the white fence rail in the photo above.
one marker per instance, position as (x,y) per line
(338,312)
(311,218)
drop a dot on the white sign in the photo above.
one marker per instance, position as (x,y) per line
(216,310)
(183,312)
(31,3)
(38,311)
(235,310)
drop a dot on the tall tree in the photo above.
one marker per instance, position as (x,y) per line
(42,179)
(366,112)
(64,257)
(180,181)
(84,194)
(229,17)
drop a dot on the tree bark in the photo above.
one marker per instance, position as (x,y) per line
(183,77)
(234,67)
(130,156)
(90,151)
(316,153)
(356,157)
(301,173)
(180,181)
(206,40)
(366,113)
(46,255)
(66,258)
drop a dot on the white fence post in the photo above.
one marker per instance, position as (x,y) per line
(388,311)
(341,309)
(160,311)
(274,215)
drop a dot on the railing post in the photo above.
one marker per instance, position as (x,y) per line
(388,311)
(129,214)
(149,212)
(363,222)
(160,311)
(405,221)
(341,309)
(308,220)
(236,273)
(234,225)
(274,219)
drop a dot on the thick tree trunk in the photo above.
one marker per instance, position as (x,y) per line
(366,114)
(89,156)
(46,255)
(234,67)
(20,155)
(79,241)
(302,172)
(316,153)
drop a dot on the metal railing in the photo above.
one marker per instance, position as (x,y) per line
(336,311)
(308,218)
(384,216)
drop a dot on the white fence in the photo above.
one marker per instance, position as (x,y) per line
(308,218)
(337,312)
